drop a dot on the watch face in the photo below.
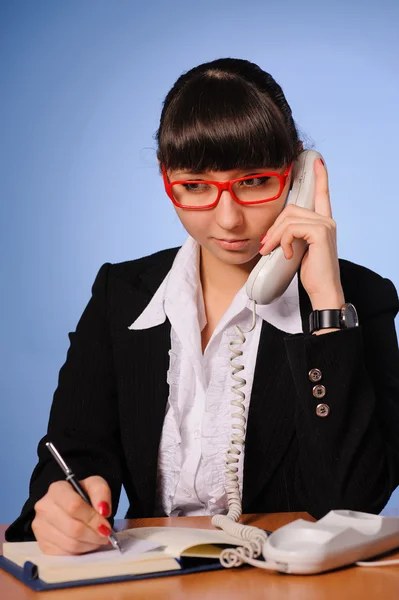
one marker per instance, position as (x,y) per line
(349,316)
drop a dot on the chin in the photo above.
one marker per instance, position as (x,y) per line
(237,258)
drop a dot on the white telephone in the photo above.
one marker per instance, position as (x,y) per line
(273,273)
(341,537)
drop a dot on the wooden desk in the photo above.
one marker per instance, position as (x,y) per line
(247,583)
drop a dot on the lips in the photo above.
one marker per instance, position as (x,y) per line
(233,244)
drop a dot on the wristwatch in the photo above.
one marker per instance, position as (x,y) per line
(339,318)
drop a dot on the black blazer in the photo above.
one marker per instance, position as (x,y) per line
(109,406)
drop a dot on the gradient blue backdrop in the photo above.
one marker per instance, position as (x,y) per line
(82,87)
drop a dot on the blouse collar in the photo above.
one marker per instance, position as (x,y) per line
(180,294)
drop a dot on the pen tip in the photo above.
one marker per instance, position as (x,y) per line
(115,543)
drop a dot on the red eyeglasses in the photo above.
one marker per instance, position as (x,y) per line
(198,194)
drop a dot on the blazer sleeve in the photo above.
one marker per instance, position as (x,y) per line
(350,458)
(84,422)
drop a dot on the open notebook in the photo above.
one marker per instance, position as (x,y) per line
(146,550)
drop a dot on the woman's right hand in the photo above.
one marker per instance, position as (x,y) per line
(66,524)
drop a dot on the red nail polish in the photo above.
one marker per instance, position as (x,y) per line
(260,247)
(104,509)
(104,530)
(322,162)
(262,241)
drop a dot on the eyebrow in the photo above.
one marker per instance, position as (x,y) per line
(205,175)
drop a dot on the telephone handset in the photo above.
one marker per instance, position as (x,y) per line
(273,273)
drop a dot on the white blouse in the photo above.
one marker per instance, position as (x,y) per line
(198,424)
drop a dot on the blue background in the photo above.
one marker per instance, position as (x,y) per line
(82,88)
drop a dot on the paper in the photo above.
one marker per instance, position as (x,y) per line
(131,547)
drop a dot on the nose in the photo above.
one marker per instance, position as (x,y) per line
(228,213)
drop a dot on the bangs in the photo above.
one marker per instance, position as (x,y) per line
(219,123)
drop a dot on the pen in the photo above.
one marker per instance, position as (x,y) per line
(70,477)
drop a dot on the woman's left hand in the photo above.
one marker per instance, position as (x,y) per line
(319,273)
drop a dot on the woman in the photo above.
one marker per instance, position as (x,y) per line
(144,396)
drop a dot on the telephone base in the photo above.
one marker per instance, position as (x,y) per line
(342,537)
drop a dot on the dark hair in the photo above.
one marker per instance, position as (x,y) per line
(223,115)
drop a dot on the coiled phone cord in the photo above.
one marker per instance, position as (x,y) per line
(253,538)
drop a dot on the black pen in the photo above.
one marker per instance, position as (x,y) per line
(70,477)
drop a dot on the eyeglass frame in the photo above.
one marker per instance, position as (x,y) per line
(224,186)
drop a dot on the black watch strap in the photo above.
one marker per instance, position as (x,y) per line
(325,319)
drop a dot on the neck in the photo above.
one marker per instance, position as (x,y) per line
(220,277)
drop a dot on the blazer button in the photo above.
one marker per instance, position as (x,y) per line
(322,410)
(319,391)
(314,375)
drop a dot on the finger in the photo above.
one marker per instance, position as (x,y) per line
(303,227)
(50,513)
(292,211)
(99,493)
(53,541)
(318,234)
(64,496)
(307,216)
(322,193)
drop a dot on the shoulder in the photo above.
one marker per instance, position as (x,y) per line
(157,264)
(122,290)
(370,292)
(147,271)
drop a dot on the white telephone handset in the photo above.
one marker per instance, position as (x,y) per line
(273,273)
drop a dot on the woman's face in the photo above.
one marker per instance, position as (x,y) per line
(231,232)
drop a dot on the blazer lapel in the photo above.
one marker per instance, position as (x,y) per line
(146,359)
(271,424)
(148,398)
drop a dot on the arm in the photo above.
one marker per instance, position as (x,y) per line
(349,459)
(84,421)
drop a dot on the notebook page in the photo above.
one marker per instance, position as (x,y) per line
(19,552)
(178,539)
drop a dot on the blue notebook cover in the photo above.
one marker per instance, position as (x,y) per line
(29,573)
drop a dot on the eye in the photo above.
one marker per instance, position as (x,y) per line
(255,182)
(195,187)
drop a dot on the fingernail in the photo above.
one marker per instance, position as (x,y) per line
(104,530)
(322,162)
(260,247)
(262,241)
(104,509)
